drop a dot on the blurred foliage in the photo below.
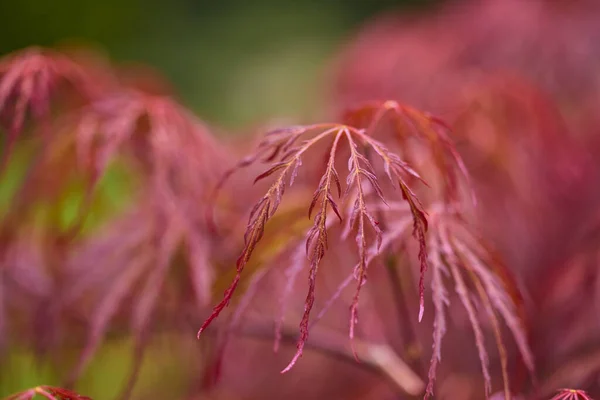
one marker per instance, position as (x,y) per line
(109,370)
(532,150)
(233,62)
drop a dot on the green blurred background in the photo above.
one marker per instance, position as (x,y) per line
(233,62)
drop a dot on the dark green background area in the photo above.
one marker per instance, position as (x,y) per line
(233,62)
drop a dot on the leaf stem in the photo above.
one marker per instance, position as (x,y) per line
(412,347)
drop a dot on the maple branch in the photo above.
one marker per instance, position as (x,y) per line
(377,358)
(394,168)
(390,260)
(278,145)
(360,209)
(265,209)
(317,238)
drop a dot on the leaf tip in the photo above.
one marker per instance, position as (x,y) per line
(293,362)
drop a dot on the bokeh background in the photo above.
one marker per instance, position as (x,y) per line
(235,63)
(517,80)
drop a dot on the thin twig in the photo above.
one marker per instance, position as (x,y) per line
(378,358)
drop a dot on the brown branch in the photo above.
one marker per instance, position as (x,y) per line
(376,358)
